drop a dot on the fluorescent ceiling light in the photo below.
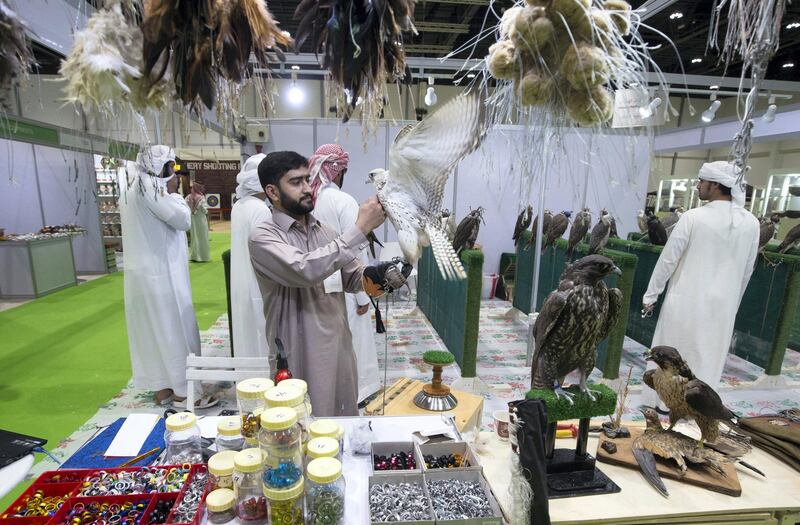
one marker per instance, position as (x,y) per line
(676,15)
(788,65)
(696,60)
(296,68)
(793,25)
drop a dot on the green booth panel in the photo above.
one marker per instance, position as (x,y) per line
(453,307)
(766,317)
(553,262)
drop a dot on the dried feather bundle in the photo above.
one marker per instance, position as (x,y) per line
(15,53)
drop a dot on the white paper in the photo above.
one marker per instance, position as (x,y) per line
(132,435)
(333,283)
(208,426)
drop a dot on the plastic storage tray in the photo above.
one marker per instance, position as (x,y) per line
(67,483)
(467,475)
(399,476)
(387,448)
(447,448)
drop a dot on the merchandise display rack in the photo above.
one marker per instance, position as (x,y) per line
(50,485)
(107,191)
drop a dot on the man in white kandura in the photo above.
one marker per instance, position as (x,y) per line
(247,306)
(162,327)
(708,261)
(339,210)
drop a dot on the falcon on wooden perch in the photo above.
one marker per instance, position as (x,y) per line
(572,321)
(420,161)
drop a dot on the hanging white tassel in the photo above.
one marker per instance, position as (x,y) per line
(519,489)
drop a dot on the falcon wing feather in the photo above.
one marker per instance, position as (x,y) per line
(703,399)
(647,464)
(614,309)
(425,155)
(545,321)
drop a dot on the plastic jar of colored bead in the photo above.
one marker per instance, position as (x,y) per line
(325,492)
(322,447)
(280,442)
(302,386)
(220,504)
(328,428)
(220,470)
(251,504)
(229,434)
(250,399)
(286,505)
(182,439)
(289,396)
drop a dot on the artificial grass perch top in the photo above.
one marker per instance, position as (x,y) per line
(438,357)
(560,409)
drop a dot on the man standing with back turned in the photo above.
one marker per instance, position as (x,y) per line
(303,268)
(708,261)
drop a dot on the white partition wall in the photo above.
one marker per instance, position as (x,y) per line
(68,183)
(20,209)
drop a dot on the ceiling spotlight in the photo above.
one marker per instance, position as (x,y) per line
(793,25)
(787,65)
(713,87)
(295,95)
(772,109)
(470,75)
(430,94)
(296,68)
(676,15)
(709,114)
(696,60)
(648,110)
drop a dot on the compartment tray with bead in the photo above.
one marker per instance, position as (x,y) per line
(385,449)
(462,475)
(391,481)
(449,450)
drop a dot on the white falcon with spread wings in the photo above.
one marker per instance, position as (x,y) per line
(420,161)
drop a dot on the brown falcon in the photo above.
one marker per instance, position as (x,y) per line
(523,221)
(548,216)
(684,395)
(580,227)
(572,321)
(467,231)
(558,225)
(792,240)
(600,233)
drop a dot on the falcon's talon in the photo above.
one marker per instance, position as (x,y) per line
(560,392)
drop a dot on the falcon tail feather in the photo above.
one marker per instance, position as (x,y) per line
(446,259)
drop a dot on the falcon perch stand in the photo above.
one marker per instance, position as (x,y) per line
(436,396)
(572,473)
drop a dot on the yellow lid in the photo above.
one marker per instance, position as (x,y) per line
(324,428)
(322,447)
(278,418)
(253,388)
(221,463)
(324,470)
(230,426)
(292,492)
(220,500)
(248,460)
(180,421)
(299,384)
(283,396)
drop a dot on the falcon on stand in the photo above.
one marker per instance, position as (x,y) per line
(572,321)
(523,221)
(580,227)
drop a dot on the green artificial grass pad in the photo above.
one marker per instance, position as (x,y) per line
(438,357)
(66,354)
(561,410)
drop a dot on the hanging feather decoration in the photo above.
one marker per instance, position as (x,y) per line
(15,53)
(208,43)
(753,34)
(361,44)
(102,67)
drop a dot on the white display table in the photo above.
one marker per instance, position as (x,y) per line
(35,268)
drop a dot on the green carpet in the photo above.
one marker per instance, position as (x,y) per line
(64,355)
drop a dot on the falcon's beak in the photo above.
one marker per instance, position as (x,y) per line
(648,355)
(642,408)
(616,271)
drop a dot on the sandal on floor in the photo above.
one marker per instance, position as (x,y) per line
(207,401)
(165,401)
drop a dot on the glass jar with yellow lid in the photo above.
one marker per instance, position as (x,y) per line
(251,504)
(229,434)
(220,504)
(328,428)
(325,492)
(302,386)
(280,442)
(182,439)
(284,395)
(286,505)
(220,470)
(250,399)
(322,447)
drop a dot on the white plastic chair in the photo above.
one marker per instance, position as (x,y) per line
(199,368)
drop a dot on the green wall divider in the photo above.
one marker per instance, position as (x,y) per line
(453,307)
(553,262)
(766,317)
